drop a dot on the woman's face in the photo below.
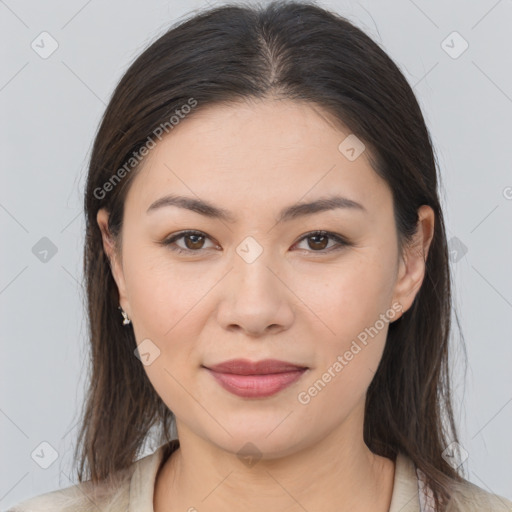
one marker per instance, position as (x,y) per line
(257,286)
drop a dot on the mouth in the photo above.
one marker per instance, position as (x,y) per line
(258,379)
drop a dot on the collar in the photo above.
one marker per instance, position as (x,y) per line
(405,496)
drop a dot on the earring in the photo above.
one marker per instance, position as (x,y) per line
(126,320)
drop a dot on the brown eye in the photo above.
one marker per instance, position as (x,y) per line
(193,241)
(318,241)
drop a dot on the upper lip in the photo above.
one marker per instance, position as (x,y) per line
(247,367)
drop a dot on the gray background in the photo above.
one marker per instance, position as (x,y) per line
(50,111)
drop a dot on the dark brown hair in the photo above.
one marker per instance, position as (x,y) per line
(301,52)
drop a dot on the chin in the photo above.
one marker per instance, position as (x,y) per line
(255,441)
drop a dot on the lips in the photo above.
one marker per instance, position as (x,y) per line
(246,367)
(258,379)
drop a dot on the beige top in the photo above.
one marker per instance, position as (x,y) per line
(136,492)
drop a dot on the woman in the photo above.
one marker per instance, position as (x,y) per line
(267,271)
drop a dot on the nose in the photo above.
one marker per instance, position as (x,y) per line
(255,298)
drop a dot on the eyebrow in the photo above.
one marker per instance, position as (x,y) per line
(289,213)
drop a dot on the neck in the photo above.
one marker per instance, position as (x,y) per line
(337,473)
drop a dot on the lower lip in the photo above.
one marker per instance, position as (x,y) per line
(256,386)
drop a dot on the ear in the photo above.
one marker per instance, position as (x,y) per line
(113,256)
(412,263)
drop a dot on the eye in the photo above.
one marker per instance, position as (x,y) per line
(321,239)
(194,241)
(194,244)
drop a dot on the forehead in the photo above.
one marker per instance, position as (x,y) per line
(256,154)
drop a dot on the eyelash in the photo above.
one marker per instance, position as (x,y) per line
(342,242)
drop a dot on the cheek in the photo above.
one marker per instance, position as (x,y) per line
(348,360)
(160,294)
(350,295)
(165,304)
(162,302)
(353,306)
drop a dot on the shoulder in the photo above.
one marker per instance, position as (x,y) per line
(77,498)
(111,496)
(62,500)
(465,496)
(469,497)
(129,489)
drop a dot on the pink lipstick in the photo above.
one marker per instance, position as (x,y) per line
(257,379)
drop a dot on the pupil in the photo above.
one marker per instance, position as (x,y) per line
(194,242)
(319,236)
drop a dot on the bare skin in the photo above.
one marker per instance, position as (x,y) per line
(300,300)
